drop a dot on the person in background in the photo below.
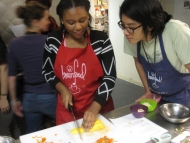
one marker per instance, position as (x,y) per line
(80,64)
(48,122)
(26,52)
(8,125)
(160,47)
(53,24)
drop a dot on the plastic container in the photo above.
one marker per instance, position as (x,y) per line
(150,103)
(138,110)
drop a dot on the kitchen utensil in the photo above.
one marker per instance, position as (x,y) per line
(150,103)
(174,113)
(164,138)
(6,139)
(180,137)
(138,110)
(74,119)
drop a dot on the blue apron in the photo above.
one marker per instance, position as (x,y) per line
(165,80)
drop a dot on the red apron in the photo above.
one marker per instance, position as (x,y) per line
(81,72)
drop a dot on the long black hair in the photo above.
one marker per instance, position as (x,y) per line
(67,4)
(147,12)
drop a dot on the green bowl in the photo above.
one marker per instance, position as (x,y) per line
(150,103)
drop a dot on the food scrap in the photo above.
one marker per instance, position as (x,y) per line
(140,110)
(105,139)
(146,104)
(98,125)
(188,141)
(180,130)
(40,139)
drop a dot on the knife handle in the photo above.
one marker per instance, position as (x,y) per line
(70,108)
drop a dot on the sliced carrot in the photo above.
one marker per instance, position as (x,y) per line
(105,139)
(43,139)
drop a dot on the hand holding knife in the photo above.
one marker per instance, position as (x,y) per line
(74,119)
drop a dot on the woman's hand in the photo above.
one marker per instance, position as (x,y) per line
(90,116)
(17,108)
(66,98)
(150,95)
(66,95)
(4,105)
(143,97)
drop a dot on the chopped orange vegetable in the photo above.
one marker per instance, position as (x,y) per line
(43,139)
(40,139)
(105,140)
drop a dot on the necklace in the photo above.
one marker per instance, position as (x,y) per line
(154,51)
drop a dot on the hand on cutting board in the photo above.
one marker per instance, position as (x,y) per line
(90,116)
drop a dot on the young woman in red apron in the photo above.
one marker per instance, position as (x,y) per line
(81,72)
(80,65)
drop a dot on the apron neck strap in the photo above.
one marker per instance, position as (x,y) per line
(162,45)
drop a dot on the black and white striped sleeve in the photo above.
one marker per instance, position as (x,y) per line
(50,51)
(105,53)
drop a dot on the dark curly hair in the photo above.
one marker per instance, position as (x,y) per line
(46,3)
(32,10)
(147,12)
(67,4)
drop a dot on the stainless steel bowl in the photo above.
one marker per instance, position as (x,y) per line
(6,139)
(175,113)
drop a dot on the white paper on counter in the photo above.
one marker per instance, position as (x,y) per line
(18,30)
(137,130)
(61,134)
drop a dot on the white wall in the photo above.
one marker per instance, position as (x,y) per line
(177,10)
(52,10)
(168,5)
(180,12)
(92,12)
(125,64)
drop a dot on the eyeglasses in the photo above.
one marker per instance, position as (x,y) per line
(130,30)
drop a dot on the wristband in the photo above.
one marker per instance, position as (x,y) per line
(3,94)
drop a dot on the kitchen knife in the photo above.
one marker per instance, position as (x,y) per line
(74,119)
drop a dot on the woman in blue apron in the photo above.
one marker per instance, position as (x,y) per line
(160,47)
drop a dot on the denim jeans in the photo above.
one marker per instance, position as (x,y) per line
(36,107)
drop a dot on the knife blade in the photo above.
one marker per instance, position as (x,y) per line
(74,119)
